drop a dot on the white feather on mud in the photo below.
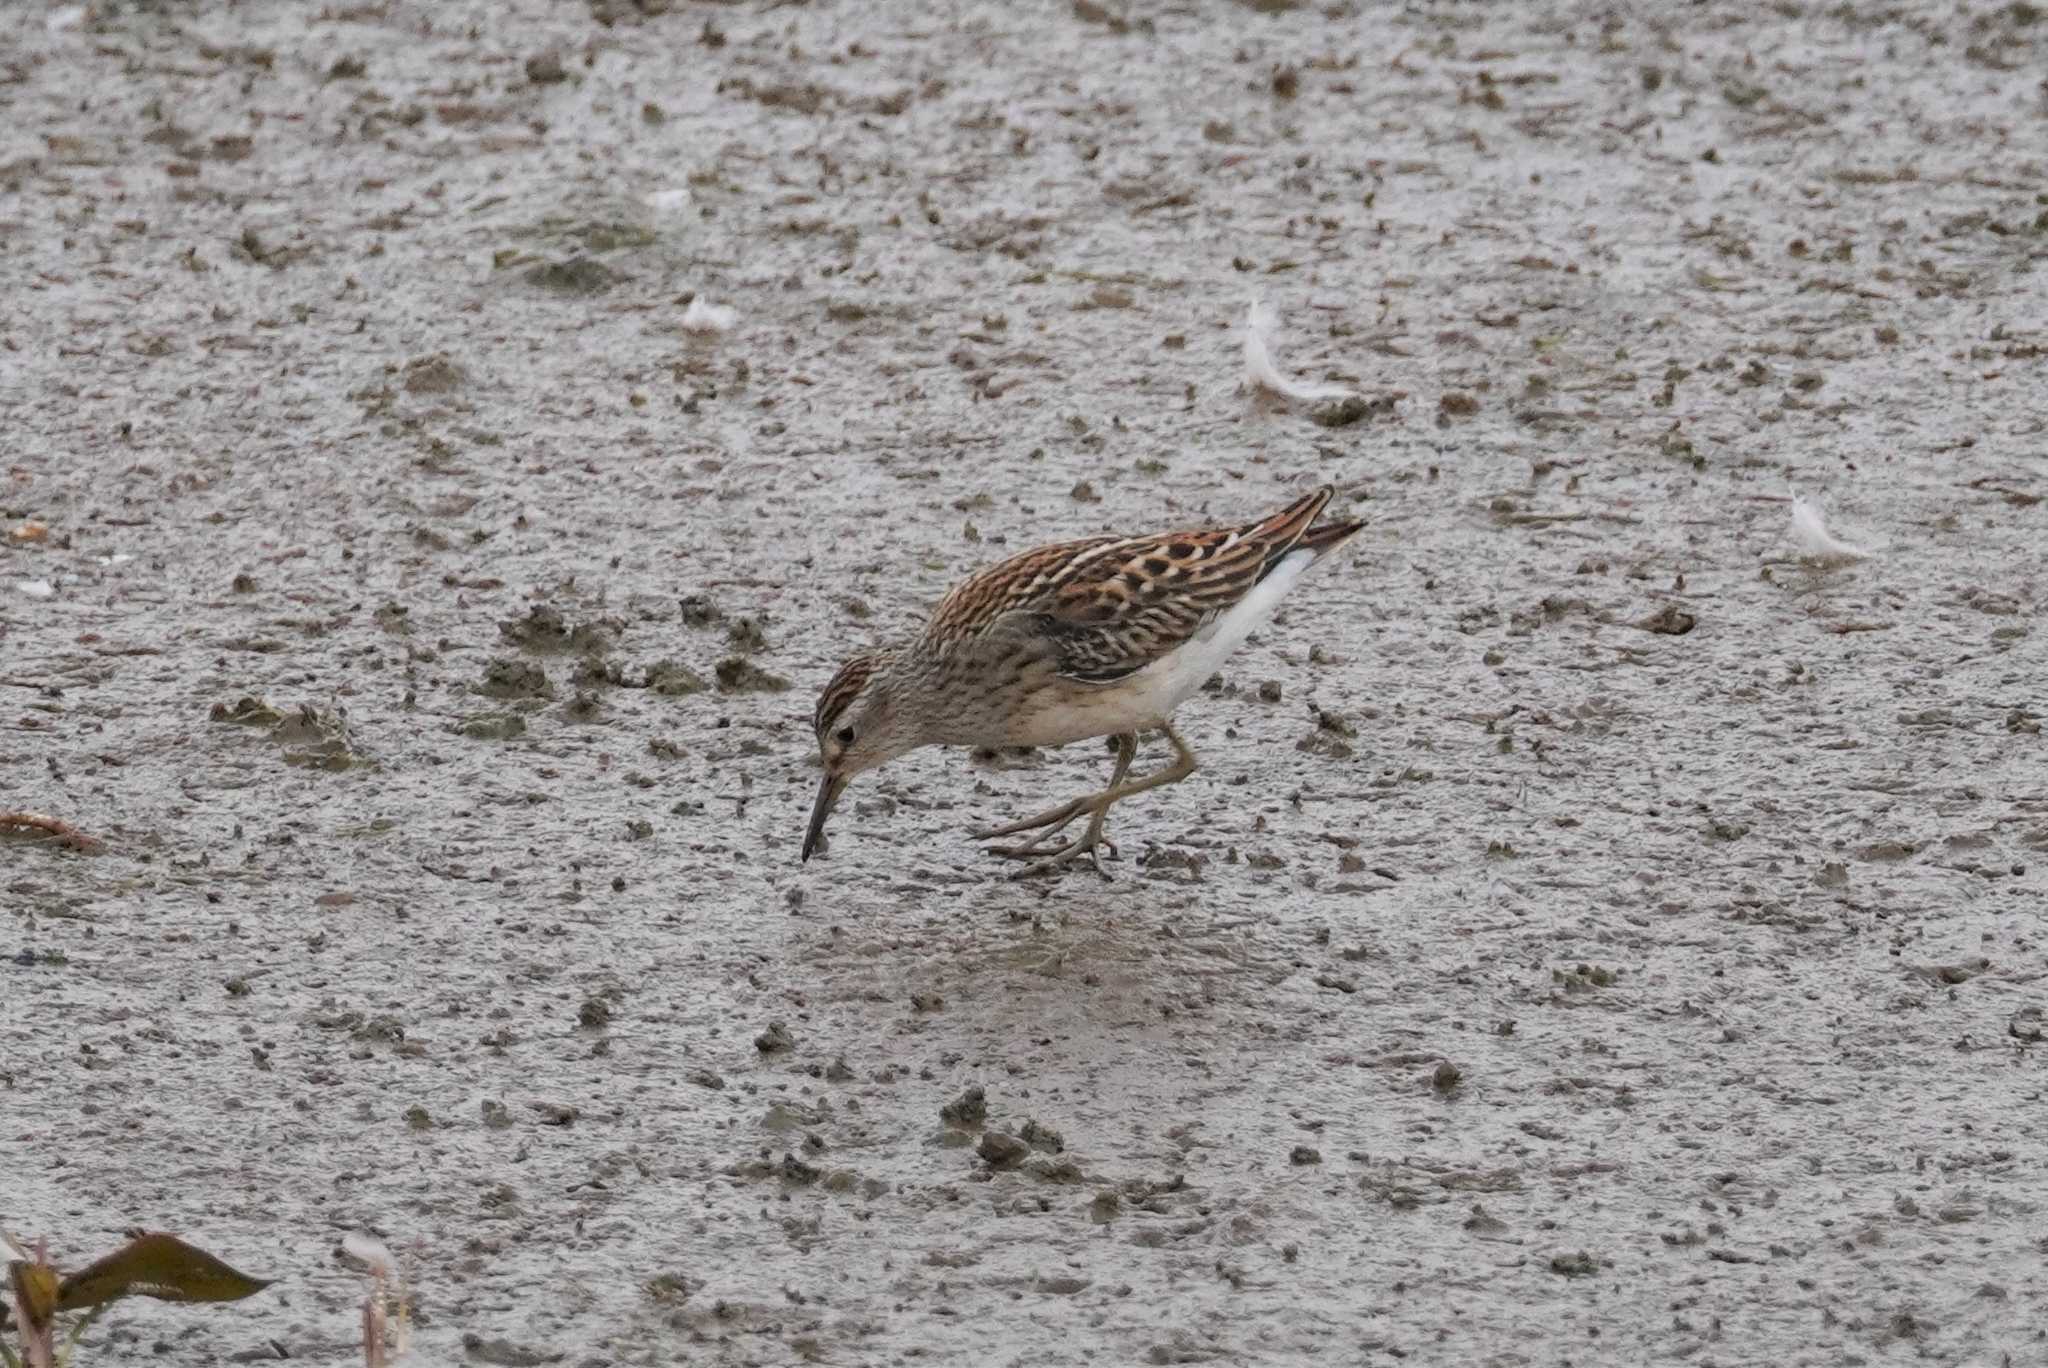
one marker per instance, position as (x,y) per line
(1815,542)
(369,1251)
(702,317)
(1259,370)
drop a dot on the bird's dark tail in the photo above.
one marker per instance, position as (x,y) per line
(1327,538)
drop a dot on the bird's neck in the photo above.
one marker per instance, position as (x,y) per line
(934,704)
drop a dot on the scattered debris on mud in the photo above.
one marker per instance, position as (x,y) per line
(443,462)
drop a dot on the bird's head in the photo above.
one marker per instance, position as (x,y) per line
(861,723)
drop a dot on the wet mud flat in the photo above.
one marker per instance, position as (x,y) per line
(1595,934)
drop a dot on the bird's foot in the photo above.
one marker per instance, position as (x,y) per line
(1056,819)
(1048,861)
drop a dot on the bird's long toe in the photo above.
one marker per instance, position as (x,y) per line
(1054,818)
(1061,857)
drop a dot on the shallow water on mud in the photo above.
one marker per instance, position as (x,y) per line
(1518,981)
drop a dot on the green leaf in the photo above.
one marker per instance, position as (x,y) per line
(156,1265)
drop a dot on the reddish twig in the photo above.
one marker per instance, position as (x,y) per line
(65,833)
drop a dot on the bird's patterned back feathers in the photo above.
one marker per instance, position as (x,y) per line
(1112,605)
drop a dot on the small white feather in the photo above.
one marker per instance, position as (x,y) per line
(672,201)
(1810,533)
(1259,326)
(370,1251)
(702,317)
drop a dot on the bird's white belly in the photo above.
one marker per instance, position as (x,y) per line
(1126,706)
(1187,669)
(1147,699)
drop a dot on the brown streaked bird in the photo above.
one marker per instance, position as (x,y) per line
(1100,637)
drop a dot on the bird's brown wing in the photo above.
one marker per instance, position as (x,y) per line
(1109,606)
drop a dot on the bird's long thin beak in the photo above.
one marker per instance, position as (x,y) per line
(829,789)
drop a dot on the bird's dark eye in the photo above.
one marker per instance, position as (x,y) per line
(844,736)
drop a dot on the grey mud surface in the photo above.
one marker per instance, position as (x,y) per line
(1520,985)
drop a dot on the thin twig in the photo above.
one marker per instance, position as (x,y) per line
(65,833)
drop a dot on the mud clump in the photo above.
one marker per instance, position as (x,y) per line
(247,712)
(1350,409)
(434,374)
(1484,1222)
(1584,978)
(1001,1150)
(700,612)
(1042,1137)
(1670,620)
(503,1353)
(1579,1265)
(968,1110)
(739,675)
(493,726)
(667,1289)
(596,671)
(674,680)
(1332,737)
(330,751)
(313,739)
(579,275)
(545,630)
(506,677)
